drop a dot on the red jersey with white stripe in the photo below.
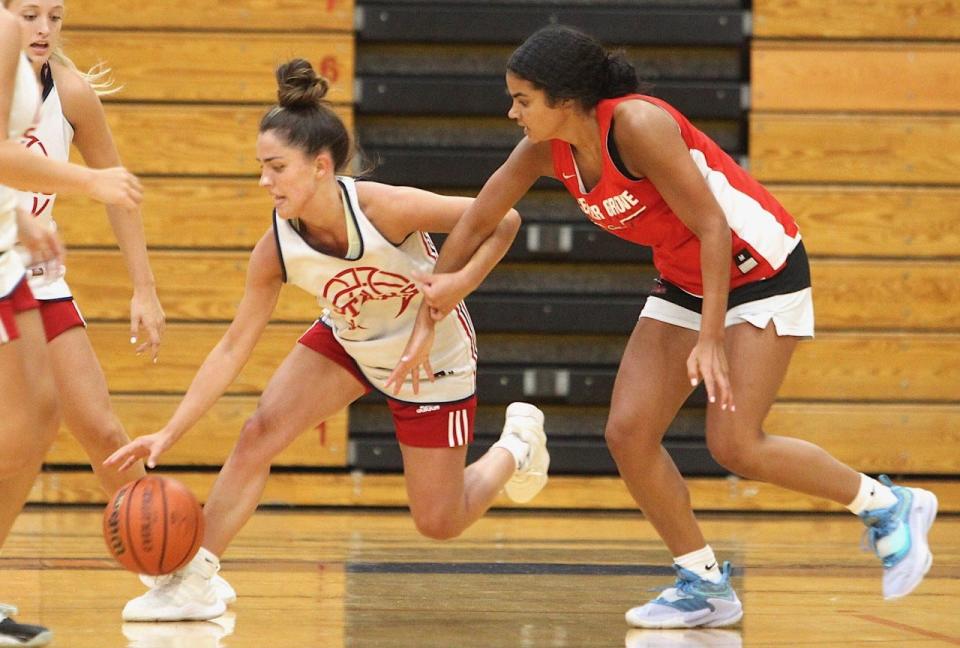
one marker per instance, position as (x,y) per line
(371,302)
(763,233)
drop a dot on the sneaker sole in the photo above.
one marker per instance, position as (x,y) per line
(192,614)
(930,506)
(729,620)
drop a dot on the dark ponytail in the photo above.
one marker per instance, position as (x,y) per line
(567,64)
(303,117)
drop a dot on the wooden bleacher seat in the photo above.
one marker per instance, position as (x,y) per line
(903,19)
(180,139)
(862,148)
(236,15)
(845,77)
(210,441)
(183,67)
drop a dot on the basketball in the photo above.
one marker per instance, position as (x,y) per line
(153,525)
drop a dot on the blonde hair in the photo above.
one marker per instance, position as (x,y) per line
(97,76)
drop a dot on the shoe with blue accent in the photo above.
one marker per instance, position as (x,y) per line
(898,535)
(692,602)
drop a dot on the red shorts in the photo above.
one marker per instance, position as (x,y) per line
(422,425)
(59,315)
(19,300)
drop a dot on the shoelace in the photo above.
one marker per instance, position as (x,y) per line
(884,526)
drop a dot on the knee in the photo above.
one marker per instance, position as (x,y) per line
(735,455)
(436,526)
(252,447)
(625,437)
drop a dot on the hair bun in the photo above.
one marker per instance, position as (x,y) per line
(298,85)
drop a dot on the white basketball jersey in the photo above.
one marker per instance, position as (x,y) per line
(51,137)
(371,303)
(23,113)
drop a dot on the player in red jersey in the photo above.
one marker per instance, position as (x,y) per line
(734,285)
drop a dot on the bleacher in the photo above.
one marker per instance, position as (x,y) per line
(789,87)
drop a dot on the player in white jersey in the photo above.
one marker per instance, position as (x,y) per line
(28,397)
(71,112)
(357,247)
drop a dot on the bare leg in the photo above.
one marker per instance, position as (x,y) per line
(758,364)
(307,389)
(446,498)
(651,386)
(85,401)
(30,418)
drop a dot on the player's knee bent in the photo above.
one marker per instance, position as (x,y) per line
(628,438)
(436,526)
(254,447)
(736,456)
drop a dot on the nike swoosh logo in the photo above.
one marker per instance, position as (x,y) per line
(710,566)
(567,177)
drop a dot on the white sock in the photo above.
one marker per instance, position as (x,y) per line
(205,562)
(701,562)
(516,447)
(872,496)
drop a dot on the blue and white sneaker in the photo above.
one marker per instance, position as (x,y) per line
(898,535)
(692,602)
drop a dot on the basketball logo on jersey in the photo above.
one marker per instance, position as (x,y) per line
(40,200)
(615,212)
(352,288)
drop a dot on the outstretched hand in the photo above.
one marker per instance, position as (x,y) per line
(708,361)
(416,355)
(148,446)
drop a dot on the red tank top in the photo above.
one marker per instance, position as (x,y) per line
(763,233)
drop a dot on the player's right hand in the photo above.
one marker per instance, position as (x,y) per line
(148,446)
(116,186)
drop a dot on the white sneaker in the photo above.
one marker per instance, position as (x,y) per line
(525,422)
(692,602)
(898,535)
(223,589)
(20,634)
(185,595)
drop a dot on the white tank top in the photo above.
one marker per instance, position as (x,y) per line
(23,113)
(51,137)
(371,303)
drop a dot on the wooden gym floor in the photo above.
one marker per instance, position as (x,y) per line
(337,578)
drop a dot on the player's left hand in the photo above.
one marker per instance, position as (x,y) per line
(708,361)
(146,313)
(416,355)
(43,244)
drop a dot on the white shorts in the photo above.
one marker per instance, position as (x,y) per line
(791,314)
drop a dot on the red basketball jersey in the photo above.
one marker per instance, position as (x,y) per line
(763,232)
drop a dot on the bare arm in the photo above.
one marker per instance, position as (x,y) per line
(93,139)
(650,142)
(400,211)
(223,364)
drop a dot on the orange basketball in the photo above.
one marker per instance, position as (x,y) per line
(153,525)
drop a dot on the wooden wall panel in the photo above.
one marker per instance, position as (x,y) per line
(868,221)
(186,66)
(834,367)
(890,438)
(903,19)
(860,77)
(563,492)
(198,285)
(240,15)
(190,140)
(178,212)
(855,148)
(209,443)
